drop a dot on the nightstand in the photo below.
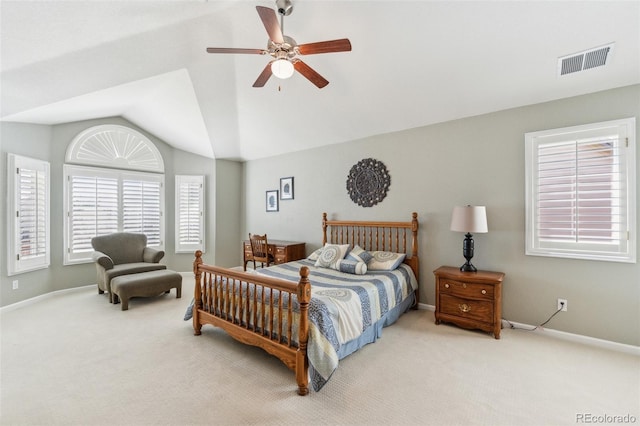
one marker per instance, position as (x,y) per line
(469,299)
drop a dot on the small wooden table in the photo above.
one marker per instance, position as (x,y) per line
(282,251)
(469,299)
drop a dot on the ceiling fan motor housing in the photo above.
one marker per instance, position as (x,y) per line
(284,7)
(284,50)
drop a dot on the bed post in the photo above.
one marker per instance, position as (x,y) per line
(414,234)
(302,362)
(197,305)
(414,255)
(324,229)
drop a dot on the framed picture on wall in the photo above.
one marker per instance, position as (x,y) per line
(272,200)
(286,188)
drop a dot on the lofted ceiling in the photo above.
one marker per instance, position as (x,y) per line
(413,63)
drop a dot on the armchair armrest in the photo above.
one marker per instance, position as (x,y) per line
(102,259)
(151,255)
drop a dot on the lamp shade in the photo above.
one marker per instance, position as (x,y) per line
(282,68)
(470,219)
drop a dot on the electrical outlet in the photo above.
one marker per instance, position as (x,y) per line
(562,305)
(15,284)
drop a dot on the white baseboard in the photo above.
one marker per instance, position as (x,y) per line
(578,338)
(35,299)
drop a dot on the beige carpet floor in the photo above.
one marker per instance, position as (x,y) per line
(75,359)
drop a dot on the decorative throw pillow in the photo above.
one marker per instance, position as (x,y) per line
(316,254)
(385,260)
(352,267)
(331,254)
(359,255)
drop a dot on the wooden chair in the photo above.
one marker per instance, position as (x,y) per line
(260,250)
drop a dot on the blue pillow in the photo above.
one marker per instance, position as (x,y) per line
(352,267)
(359,255)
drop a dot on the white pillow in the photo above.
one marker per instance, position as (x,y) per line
(331,255)
(314,256)
(385,260)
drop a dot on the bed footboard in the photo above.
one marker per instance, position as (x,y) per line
(257,310)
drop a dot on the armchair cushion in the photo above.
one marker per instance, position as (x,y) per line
(132,268)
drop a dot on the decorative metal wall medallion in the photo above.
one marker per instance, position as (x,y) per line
(368,182)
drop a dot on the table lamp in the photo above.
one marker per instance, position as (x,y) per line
(469,219)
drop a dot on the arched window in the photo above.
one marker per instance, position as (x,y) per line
(114,182)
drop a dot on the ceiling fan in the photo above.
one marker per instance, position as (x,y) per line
(284,49)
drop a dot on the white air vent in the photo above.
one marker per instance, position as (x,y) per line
(584,60)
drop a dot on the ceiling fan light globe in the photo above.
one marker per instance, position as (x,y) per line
(282,68)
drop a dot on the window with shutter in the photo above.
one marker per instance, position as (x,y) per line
(189,213)
(28,239)
(103,201)
(580,192)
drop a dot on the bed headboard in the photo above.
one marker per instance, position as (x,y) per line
(397,237)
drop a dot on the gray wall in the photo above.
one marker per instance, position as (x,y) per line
(228,210)
(49,143)
(480,161)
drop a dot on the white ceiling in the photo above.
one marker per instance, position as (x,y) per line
(413,63)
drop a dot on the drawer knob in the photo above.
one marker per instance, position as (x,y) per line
(464,285)
(484,291)
(446,286)
(464,307)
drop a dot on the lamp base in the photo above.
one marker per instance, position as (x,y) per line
(467,253)
(468,267)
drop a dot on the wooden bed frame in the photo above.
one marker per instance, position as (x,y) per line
(255,321)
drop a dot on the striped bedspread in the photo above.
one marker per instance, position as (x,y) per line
(344,307)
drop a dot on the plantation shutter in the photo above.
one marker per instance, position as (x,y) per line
(189,214)
(29,208)
(581,190)
(580,193)
(141,208)
(32,213)
(94,210)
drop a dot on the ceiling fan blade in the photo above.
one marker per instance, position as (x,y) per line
(270,22)
(309,73)
(264,76)
(233,50)
(341,45)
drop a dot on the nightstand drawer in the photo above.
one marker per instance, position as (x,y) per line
(466,289)
(479,310)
